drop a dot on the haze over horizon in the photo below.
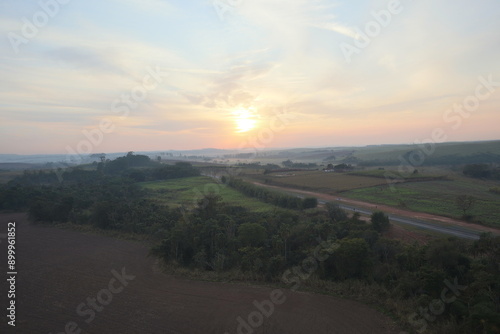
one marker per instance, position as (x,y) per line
(276,73)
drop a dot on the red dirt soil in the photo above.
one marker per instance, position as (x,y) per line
(59,269)
(388,209)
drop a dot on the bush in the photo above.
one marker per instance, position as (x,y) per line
(309,203)
(380,221)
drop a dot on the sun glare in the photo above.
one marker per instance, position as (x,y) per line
(245,120)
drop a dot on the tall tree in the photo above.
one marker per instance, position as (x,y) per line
(335,212)
(380,221)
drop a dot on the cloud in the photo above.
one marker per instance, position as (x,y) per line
(337,27)
(230,89)
(85,58)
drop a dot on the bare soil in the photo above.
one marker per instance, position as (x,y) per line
(59,269)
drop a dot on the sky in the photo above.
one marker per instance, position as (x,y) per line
(145,75)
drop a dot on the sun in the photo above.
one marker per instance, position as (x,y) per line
(244,120)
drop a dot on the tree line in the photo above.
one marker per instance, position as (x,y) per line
(482,171)
(106,196)
(272,197)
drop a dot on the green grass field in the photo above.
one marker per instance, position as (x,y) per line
(423,174)
(437,197)
(330,183)
(187,191)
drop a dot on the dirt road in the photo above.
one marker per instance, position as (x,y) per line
(69,282)
(420,219)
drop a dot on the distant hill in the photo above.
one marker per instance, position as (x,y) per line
(438,154)
(18,166)
(443,153)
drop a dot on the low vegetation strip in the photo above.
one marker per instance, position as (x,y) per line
(413,177)
(273,197)
(329,183)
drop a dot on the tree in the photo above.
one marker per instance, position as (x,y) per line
(465,202)
(336,213)
(137,175)
(101,214)
(284,233)
(342,167)
(209,205)
(447,254)
(477,170)
(252,234)
(380,221)
(352,259)
(309,203)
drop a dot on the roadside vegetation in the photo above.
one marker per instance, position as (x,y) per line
(274,197)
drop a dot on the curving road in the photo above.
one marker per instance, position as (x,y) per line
(458,230)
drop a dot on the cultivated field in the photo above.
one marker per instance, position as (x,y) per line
(393,152)
(60,271)
(187,191)
(432,190)
(329,183)
(438,197)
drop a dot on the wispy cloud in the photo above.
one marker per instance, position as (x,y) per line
(338,28)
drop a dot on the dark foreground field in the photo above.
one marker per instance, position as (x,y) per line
(65,283)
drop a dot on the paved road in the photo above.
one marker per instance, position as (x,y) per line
(457,231)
